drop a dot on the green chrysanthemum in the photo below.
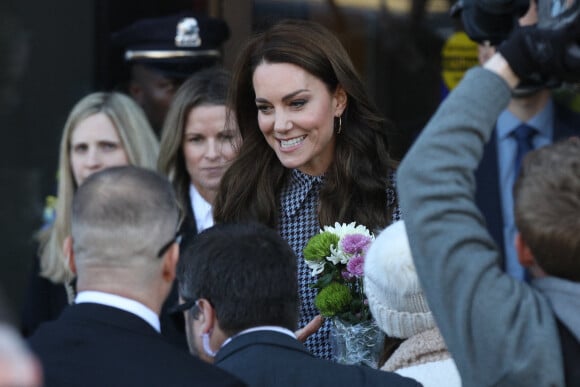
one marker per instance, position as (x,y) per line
(333,299)
(318,247)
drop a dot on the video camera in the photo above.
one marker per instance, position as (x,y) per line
(490,22)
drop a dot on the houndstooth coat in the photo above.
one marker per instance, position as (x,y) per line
(297,224)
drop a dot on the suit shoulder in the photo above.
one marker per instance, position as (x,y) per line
(212,375)
(190,366)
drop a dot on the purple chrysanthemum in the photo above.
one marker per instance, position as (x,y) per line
(356,265)
(355,243)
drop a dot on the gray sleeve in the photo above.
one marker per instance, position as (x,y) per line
(500,332)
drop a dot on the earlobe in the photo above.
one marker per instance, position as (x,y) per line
(527,259)
(525,256)
(341,100)
(170,260)
(207,321)
(67,248)
(207,315)
(135,91)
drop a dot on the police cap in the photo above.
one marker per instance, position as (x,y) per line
(176,45)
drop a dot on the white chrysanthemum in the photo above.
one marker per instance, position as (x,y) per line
(337,255)
(345,229)
(317,267)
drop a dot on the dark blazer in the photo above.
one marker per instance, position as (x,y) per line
(488,195)
(188,228)
(45,301)
(97,345)
(267,358)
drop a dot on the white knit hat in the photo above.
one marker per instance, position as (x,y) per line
(395,296)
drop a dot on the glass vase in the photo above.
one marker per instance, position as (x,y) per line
(359,343)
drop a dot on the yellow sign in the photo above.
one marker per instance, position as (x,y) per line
(395,5)
(459,54)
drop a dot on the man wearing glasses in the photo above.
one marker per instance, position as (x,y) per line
(124,252)
(238,288)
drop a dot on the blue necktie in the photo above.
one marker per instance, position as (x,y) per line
(524,135)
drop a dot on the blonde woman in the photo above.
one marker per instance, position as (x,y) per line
(102,130)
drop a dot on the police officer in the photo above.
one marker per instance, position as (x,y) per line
(162,52)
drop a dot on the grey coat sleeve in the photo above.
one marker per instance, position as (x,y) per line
(500,331)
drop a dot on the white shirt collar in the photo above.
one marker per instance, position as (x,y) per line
(122,303)
(261,328)
(202,210)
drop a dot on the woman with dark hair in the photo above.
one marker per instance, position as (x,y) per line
(314,148)
(197,145)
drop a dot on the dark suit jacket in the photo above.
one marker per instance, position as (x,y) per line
(97,345)
(188,228)
(488,195)
(45,301)
(267,358)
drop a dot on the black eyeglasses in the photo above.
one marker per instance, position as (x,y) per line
(165,247)
(186,306)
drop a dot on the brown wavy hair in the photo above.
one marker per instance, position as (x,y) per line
(356,183)
(546,207)
(206,87)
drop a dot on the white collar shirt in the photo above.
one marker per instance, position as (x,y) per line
(119,302)
(202,210)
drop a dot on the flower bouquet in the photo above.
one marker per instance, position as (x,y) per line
(336,258)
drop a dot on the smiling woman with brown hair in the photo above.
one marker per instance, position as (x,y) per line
(314,149)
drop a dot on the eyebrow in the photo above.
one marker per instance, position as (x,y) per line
(284,98)
(98,142)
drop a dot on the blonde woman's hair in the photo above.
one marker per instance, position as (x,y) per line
(140,144)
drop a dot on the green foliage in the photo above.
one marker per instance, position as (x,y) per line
(334,299)
(318,247)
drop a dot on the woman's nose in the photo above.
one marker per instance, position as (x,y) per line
(282,122)
(93,158)
(212,150)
